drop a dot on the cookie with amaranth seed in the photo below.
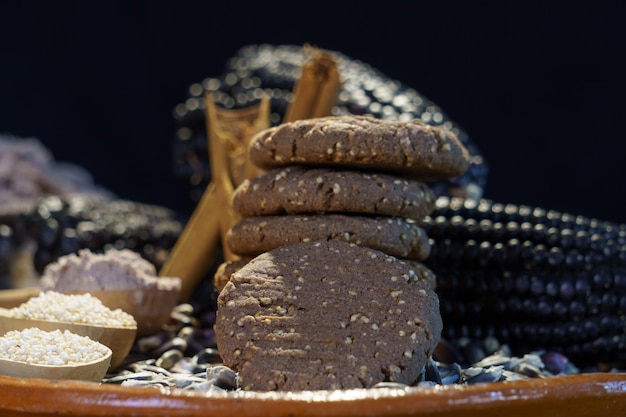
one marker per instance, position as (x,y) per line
(297,189)
(326,315)
(414,148)
(396,236)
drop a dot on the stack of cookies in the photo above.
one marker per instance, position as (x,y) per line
(330,292)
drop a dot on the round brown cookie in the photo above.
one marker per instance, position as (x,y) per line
(396,236)
(414,148)
(297,189)
(326,315)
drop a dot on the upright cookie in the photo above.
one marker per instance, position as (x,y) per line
(326,315)
(396,236)
(362,142)
(297,189)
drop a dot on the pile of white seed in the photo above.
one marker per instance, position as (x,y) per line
(35,346)
(71,308)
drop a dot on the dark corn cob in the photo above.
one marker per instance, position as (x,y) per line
(28,171)
(264,69)
(63,226)
(534,278)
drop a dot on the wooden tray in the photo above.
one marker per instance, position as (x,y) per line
(572,396)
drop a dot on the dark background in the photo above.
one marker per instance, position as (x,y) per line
(538,85)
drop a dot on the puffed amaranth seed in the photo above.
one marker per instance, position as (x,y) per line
(297,189)
(326,315)
(414,148)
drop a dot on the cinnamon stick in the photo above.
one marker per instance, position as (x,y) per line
(317,89)
(229,132)
(196,247)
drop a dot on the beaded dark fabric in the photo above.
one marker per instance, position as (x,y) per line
(256,70)
(532,278)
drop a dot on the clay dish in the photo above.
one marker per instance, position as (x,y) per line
(119,339)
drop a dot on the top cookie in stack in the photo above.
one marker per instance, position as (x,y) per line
(363,142)
(352,178)
(335,295)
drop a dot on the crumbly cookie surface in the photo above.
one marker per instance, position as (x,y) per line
(396,236)
(225,270)
(413,148)
(326,315)
(298,189)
